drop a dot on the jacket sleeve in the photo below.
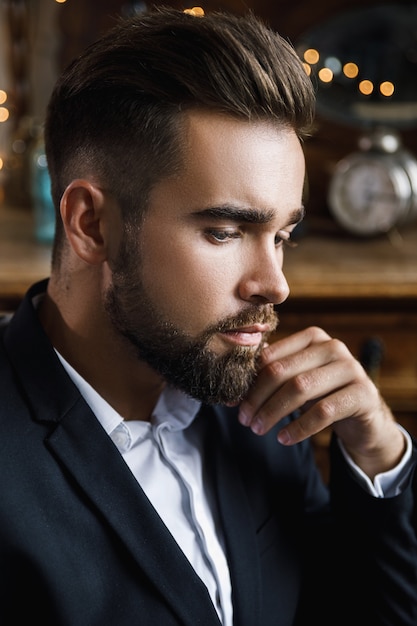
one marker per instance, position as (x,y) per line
(377,548)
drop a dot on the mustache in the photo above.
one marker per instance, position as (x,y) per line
(248,317)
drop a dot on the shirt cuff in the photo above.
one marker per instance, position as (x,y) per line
(386,484)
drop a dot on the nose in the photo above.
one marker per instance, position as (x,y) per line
(264,280)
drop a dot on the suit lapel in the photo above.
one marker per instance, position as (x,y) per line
(238,527)
(86,451)
(79,442)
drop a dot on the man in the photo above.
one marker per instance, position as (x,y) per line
(156,465)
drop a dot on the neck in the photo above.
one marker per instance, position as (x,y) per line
(107,361)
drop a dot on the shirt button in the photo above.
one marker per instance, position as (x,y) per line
(121,438)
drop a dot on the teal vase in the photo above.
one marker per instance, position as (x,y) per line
(44,211)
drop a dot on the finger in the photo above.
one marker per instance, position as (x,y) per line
(304,390)
(340,406)
(273,376)
(292,344)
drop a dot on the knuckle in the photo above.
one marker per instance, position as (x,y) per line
(367,392)
(275,370)
(301,383)
(339,348)
(317,334)
(325,411)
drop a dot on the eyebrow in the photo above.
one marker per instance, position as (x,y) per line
(249,216)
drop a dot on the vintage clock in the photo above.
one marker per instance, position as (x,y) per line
(373,190)
(364,74)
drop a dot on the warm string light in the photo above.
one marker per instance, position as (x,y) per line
(196,11)
(333,67)
(4,111)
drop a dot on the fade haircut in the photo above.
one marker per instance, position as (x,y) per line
(116,113)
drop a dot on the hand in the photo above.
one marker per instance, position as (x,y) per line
(316,374)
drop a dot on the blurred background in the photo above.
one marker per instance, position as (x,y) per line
(38,38)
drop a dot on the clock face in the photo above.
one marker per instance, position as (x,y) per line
(369,193)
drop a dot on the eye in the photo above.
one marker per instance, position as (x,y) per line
(284,237)
(222,236)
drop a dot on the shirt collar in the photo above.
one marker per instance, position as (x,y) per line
(174,408)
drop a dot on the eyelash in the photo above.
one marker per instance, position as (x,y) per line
(288,242)
(223,236)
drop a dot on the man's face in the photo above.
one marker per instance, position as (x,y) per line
(195,292)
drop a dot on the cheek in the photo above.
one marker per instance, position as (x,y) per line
(189,288)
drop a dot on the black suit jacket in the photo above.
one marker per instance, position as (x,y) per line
(81,545)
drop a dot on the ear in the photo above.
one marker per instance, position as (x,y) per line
(85,213)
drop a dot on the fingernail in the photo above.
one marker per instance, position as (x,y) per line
(257,427)
(244,419)
(283,437)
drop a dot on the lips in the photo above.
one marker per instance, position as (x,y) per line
(247,335)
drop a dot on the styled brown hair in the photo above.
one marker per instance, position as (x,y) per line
(116,112)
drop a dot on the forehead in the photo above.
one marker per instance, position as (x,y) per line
(237,162)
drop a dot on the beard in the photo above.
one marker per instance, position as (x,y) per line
(185,362)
